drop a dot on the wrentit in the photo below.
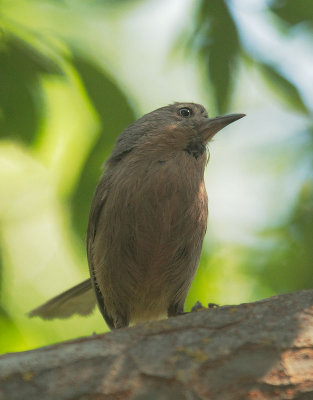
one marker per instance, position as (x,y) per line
(147,220)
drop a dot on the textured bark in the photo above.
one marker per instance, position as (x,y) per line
(258,351)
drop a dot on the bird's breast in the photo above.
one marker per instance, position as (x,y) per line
(152,228)
(164,205)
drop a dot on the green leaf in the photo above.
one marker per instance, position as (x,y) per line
(284,88)
(216,40)
(115,114)
(21,98)
(293,11)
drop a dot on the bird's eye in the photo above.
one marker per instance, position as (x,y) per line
(185,112)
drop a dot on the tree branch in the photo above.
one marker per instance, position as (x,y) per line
(258,351)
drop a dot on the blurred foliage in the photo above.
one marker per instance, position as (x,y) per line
(293,12)
(216,41)
(287,263)
(32,61)
(22,67)
(287,91)
(115,114)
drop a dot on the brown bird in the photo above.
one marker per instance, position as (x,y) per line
(147,220)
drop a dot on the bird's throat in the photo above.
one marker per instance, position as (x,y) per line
(195,148)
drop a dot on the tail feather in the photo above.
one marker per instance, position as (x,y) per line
(80,299)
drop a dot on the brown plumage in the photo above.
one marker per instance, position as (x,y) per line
(147,220)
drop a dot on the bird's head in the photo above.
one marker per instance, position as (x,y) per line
(177,127)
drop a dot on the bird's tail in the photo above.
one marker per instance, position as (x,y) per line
(80,299)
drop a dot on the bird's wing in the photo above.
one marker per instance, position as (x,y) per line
(97,205)
(82,298)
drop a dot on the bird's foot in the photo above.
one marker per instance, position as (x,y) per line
(199,307)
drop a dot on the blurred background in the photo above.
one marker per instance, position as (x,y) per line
(74,74)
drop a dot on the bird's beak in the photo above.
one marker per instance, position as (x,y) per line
(211,126)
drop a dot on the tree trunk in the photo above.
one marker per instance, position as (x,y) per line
(256,351)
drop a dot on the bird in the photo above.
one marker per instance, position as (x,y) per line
(147,220)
